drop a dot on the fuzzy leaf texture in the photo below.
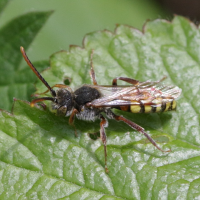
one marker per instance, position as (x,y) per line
(40,158)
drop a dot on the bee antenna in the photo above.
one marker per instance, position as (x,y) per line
(53,93)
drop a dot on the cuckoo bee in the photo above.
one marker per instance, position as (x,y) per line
(88,102)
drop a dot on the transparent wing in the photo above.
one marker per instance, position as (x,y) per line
(149,92)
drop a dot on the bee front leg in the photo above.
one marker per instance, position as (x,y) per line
(56,85)
(103,124)
(71,120)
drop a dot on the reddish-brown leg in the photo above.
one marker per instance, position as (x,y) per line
(71,120)
(104,124)
(58,86)
(139,129)
(128,80)
(33,102)
(132,81)
(92,73)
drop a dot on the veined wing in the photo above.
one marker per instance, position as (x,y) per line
(146,93)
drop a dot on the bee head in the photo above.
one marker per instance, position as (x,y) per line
(63,102)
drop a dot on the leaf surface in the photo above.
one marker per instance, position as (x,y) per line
(41,152)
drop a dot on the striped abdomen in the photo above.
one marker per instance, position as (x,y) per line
(144,106)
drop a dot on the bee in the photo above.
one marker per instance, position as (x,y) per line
(88,102)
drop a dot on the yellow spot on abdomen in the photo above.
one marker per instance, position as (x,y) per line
(135,109)
(147,109)
(168,104)
(174,105)
(158,108)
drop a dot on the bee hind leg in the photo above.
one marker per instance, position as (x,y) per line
(139,129)
(128,80)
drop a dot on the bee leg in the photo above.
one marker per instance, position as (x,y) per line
(155,82)
(104,124)
(92,73)
(128,80)
(139,129)
(162,79)
(62,86)
(33,102)
(56,85)
(71,120)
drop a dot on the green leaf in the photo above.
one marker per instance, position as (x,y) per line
(40,157)
(15,81)
(3,4)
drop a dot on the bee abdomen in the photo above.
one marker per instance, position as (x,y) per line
(157,105)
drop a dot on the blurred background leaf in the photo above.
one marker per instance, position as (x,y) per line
(15,81)
(73,19)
